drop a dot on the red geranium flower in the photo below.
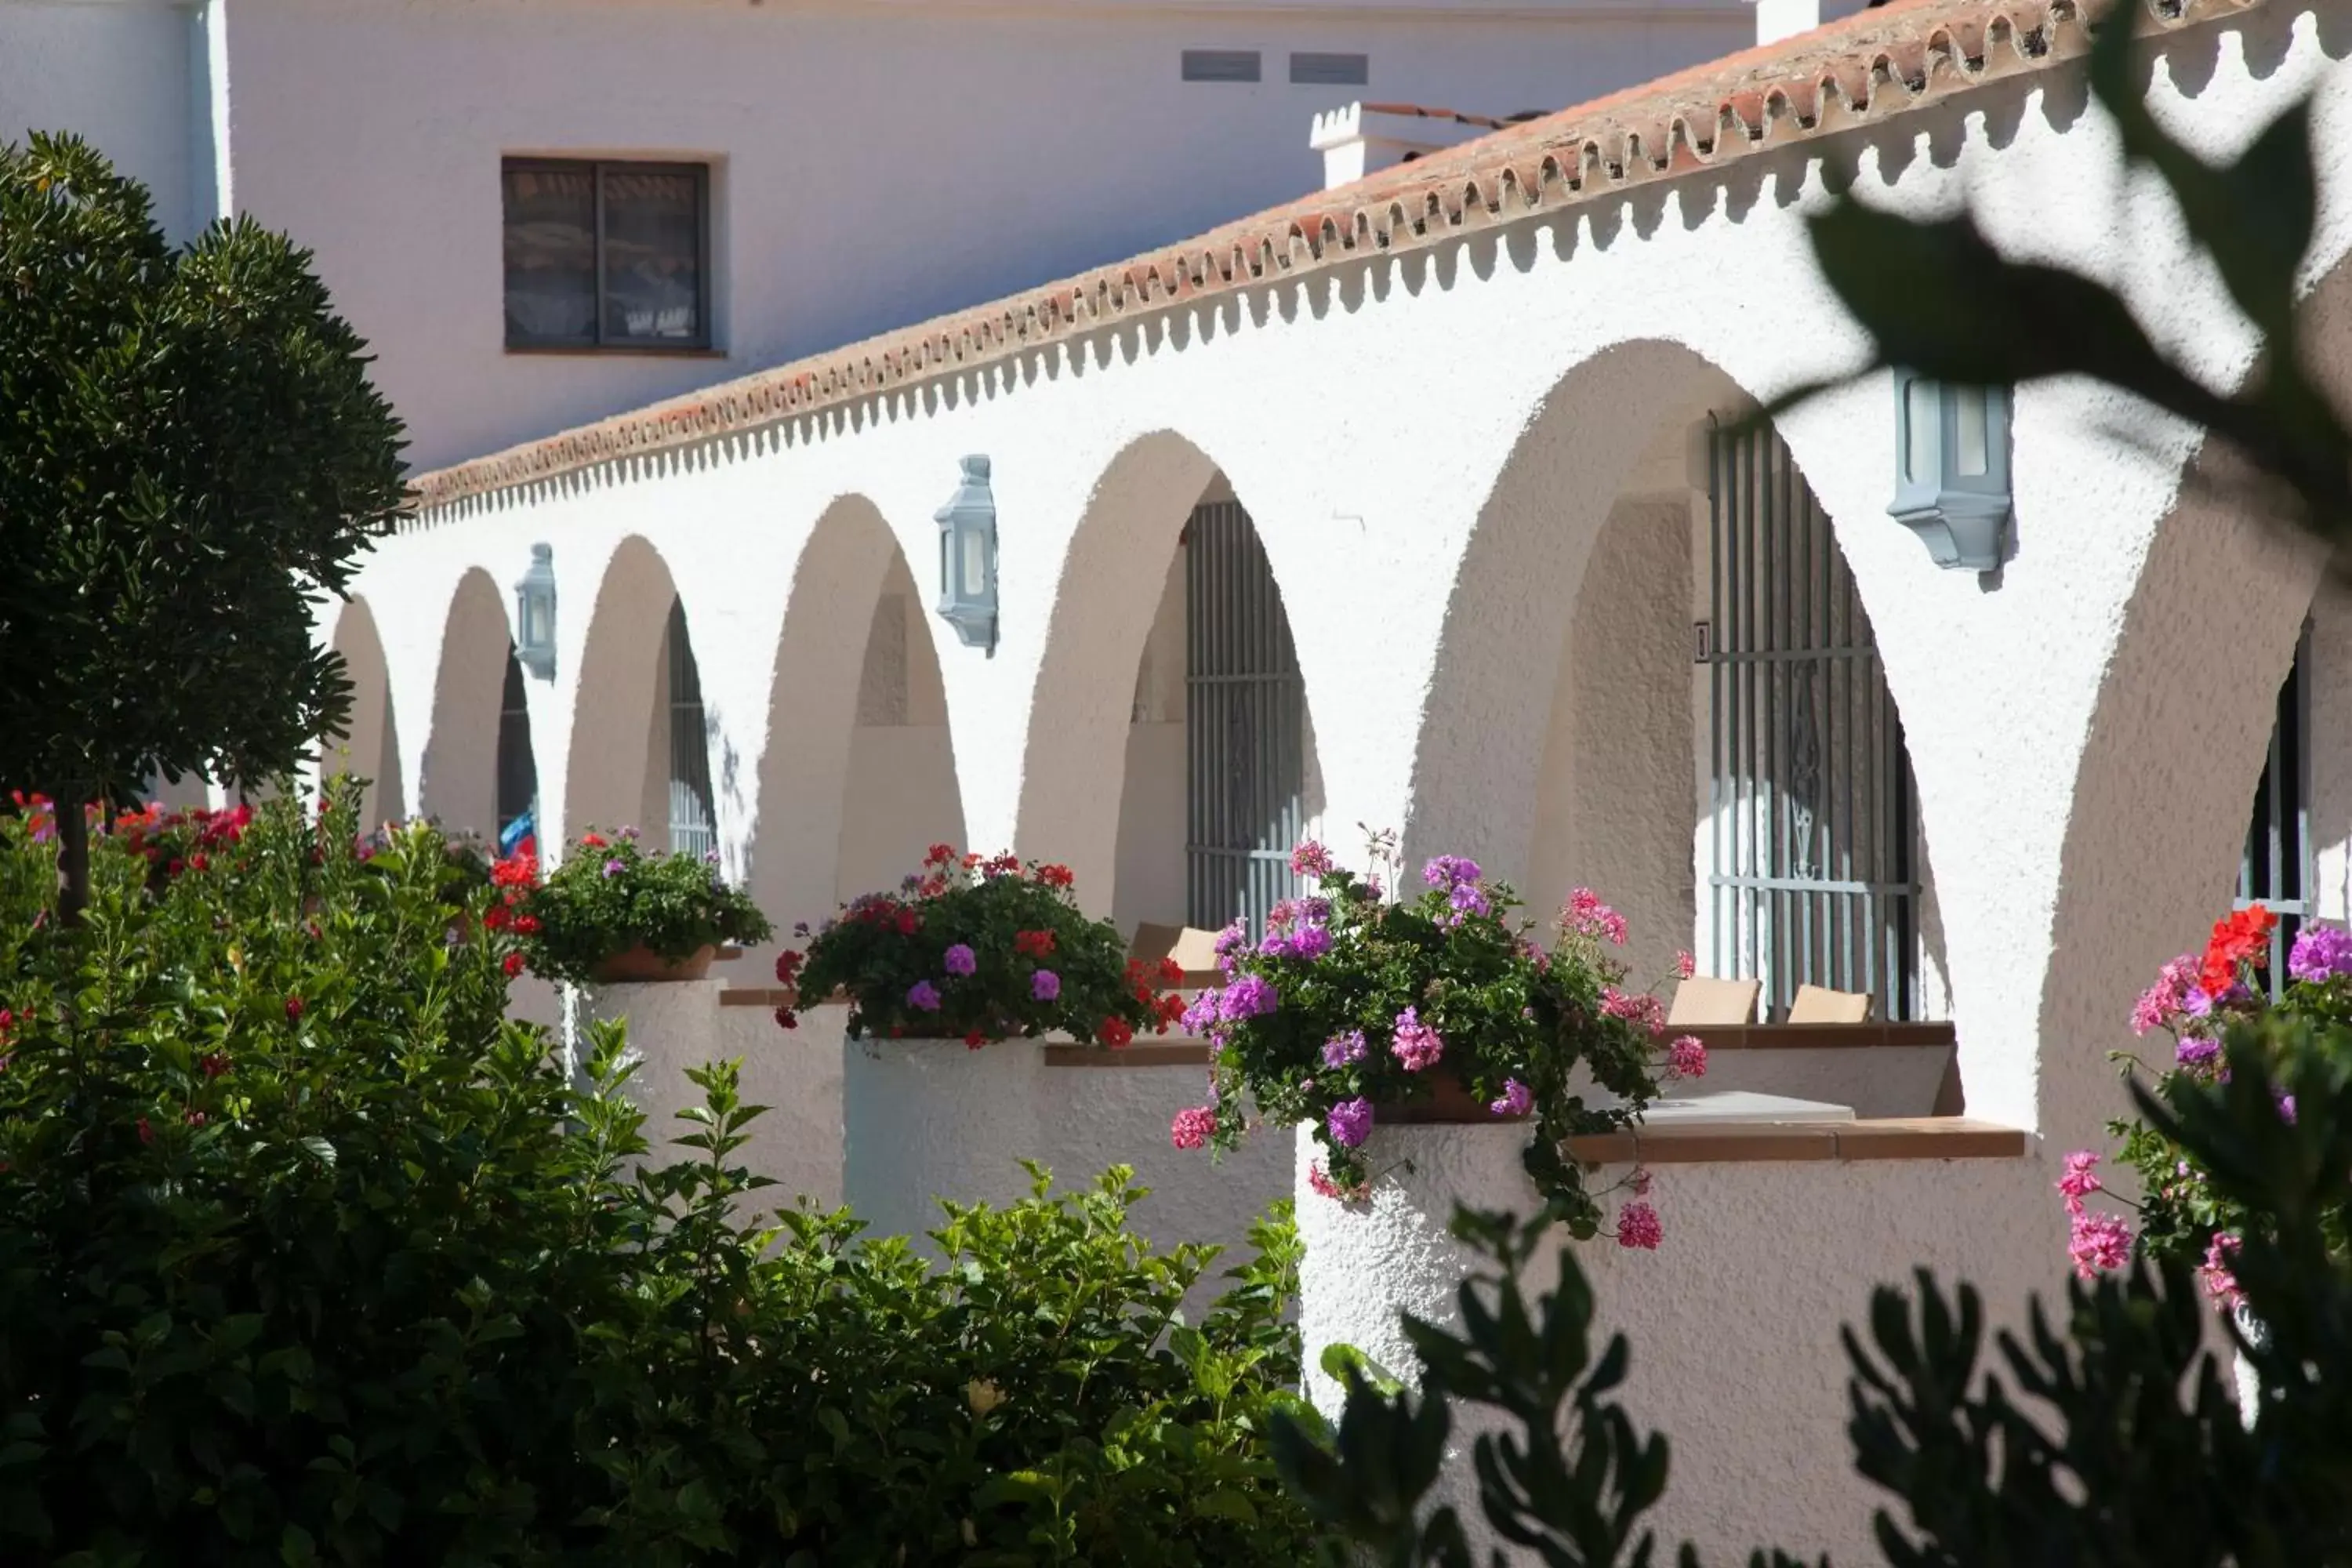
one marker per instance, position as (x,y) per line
(1115,1033)
(1054,876)
(907,921)
(1033,944)
(593,840)
(1171,972)
(939,855)
(512,965)
(496,917)
(787,1019)
(974,1040)
(526,925)
(293,1009)
(788,964)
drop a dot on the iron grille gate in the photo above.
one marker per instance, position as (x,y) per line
(1811,879)
(690,816)
(2276,870)
(1244,724)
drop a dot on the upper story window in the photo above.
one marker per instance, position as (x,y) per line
(601,254)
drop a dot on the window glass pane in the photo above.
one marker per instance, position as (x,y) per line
(975,563)
(550,219)
(652,265)
(1920,415)
(1971,455)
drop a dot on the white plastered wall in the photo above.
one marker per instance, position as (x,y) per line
(2055,712)
(1549,363)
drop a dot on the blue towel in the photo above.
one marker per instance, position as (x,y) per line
(515,832)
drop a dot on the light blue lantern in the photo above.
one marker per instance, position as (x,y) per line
(535,593)
(1952,461)
(968,558)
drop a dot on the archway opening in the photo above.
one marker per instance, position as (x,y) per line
(1219,779)
(898,793)
(1170,668)
(1724,760)
(370,749)
(516,801)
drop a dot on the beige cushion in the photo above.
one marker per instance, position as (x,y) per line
(1815,1004)
(1194,949)
(1703,999)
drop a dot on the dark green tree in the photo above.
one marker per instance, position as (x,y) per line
(190,454)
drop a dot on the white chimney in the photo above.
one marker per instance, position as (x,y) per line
(1365,138)
(1778,19)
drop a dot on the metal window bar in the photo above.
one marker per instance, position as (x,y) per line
(517,770)
(1246,717)
(2276,870)
(1812,876)
(692,822)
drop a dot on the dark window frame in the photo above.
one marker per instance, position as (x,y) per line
(704,341)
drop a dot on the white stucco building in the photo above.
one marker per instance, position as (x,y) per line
(855,164)
(1424,501)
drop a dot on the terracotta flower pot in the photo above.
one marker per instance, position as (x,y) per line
(1450,1104)
(640,965)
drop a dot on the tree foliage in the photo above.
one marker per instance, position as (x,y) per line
(190,454)
(1938,298)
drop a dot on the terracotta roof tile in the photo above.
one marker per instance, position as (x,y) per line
(1870,66)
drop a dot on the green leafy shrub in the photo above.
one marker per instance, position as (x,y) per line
(308,1253)
(981,949)
(610,896)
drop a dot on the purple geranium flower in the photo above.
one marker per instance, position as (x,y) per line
(923,996)
(1340,1050)
(1517,1100)
(1248,997)
(2321,953)
(1045,985)
(613,867)
(961,960)
(1350,1121)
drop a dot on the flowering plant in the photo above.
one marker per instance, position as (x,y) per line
(2210,1005)
(1352,1003)
(981,949)
(609,896)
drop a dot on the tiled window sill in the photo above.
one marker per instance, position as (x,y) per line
(1891,1138)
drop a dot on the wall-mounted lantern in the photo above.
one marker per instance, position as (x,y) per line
(1952,458)
(968,558)
(535,593)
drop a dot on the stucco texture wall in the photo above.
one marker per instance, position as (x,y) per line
(127,77)
(1733,1321)
(679,1025)
(932,1119)
(423,99)
(1427,553)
